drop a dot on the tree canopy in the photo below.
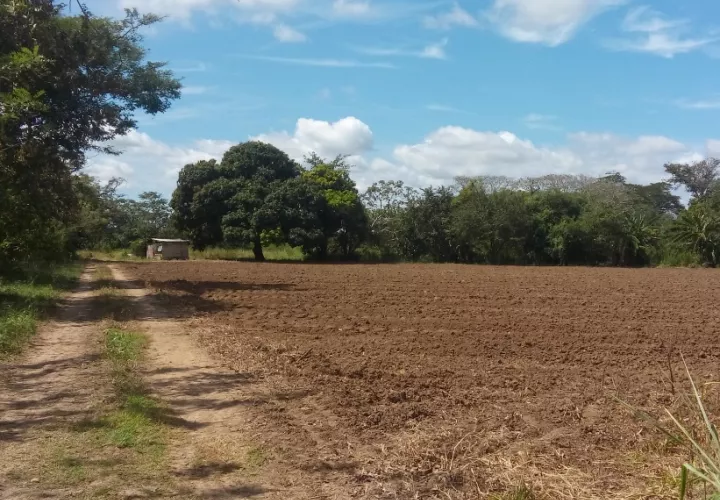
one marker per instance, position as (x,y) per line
(68,84)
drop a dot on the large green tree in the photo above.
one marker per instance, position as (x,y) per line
(226,202)
(68,84)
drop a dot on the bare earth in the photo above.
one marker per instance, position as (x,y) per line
(380,382)
(437,381)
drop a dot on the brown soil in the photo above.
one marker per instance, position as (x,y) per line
(220,452)
(451,381)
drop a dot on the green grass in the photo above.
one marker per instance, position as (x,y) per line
(679,257)
(120,254)
(123,346)
(519,493)
(272,253)
(26,297)
(284,252)
(137,422)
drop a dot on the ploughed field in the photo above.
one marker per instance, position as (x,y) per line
(405,381)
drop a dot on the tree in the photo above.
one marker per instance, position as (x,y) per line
(225,203)
(659,197)
(425,226)
(344,222)
(299,210)
(699,178)
(258,169)
(194,214)
(67,85)
(698,229)
(385,203)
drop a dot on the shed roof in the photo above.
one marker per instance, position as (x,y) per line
(161,240)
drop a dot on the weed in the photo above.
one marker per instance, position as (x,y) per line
(26,297)
(124,346)
(255,458)
(282,253)
(521,492)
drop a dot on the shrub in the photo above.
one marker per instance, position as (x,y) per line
(139,248)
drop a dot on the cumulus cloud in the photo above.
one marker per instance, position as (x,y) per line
(550,22)
(348,136)
(151,165)
(654,33)
(455,151)
(448,152)
(713,147)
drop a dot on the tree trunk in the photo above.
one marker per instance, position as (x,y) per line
(257,250)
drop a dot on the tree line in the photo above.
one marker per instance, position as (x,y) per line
(256,195)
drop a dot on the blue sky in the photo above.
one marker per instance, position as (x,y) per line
(426,90)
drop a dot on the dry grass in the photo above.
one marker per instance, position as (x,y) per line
(443,464)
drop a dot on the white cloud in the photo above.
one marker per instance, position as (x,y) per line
(184,9)
(351,7)
(108,167)
(457,16)
(550,22)
(656,34)
(285,33)
(713,148)
(348,136)
(435,50)
(453,151)
(699,104)
(151,165)
(443,108)
(431,51)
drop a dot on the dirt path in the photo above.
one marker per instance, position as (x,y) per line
(48,387)
(222,451)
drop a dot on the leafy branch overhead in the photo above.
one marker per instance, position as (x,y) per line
(68,84)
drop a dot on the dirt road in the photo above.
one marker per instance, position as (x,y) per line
(50,387)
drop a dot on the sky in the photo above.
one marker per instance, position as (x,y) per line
(427,90)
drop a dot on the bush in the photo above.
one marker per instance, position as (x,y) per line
(375,253)
(139,248)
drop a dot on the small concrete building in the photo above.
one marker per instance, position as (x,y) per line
(168,249)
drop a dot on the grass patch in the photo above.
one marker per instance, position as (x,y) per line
(121,254)
(272,253)
(137,422)
(282,253)
(124,346)
(26,297)
(255,458)
(519,493)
